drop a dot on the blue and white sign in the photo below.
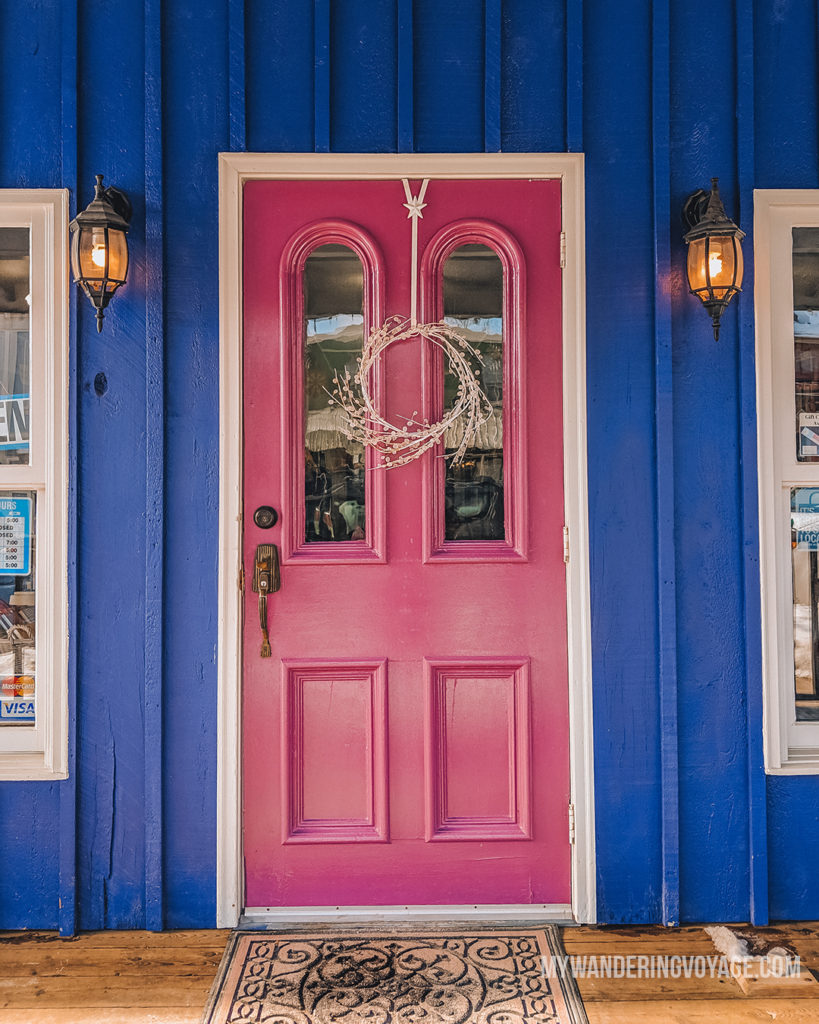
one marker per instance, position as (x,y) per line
(15,536)
(805,517)
(14,422)
(21,710)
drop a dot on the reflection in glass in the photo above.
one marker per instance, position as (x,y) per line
(473,302)
(334,472)
(15,299)
(805,565)
(18,666)
(806,341)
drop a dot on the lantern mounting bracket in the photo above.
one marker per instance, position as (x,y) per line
(119,201)
(694,208)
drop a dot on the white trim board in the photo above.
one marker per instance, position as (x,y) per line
(234,170)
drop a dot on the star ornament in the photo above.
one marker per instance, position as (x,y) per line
(415,206)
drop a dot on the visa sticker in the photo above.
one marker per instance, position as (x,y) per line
(16,711)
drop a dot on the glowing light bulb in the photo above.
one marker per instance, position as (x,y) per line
(98,254)
(714,264)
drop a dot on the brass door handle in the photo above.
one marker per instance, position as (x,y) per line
(266,580)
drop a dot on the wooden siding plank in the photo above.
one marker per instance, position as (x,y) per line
(363,77)
(69,157)
(154,470)
(786,155)
(406,77)
(321,72)
(620,376)
(786,146)
(714,847)
(279,53)
(664,462)
(534,69)
(752,650)
(448,75)
(236,75)
(197,127)
(111,529)
(574,76)
(492,68)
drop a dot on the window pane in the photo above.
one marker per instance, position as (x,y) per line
(473,302)
(17,608)
(15,288)
(334,472)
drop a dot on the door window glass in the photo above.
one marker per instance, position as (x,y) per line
(17,608)
(334,470)
(15,301)
(473,303)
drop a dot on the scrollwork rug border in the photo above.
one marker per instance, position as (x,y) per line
(253,966)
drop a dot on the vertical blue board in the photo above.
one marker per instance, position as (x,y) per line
(786,157)
(363,60)
(30,119)
(30,95)
(29,879)
(196,128)
(449,69)
(111,535)
(279,75)
(714,855)
(533,56)
(786,95)
(620,374)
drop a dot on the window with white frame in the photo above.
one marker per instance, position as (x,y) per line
(33,481)
(786,247)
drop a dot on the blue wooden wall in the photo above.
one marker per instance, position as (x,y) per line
(660,96)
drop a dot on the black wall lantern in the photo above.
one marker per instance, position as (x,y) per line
(99,248)
(714,265)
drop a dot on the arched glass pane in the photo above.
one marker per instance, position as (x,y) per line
(473,302)
(334,473)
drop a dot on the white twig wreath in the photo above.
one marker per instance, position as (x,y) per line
(399,445)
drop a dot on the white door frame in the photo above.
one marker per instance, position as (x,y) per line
(234,170)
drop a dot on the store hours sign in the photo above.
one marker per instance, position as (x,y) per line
(15,536)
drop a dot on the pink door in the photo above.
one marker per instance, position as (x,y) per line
(407,742)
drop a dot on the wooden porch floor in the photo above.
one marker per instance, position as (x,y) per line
(150,978)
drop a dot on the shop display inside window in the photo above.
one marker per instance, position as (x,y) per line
(805,500)
(473,303)
(15,298)
(334,472)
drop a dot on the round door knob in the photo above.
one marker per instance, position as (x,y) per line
(265,516)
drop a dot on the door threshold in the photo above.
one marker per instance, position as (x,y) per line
(551,913)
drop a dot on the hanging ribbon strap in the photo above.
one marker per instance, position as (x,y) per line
(415,205)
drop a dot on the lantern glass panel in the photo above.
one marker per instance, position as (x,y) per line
(696,265)
(721,264)
(117,258)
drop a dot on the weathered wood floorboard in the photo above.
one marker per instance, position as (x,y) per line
(164,978)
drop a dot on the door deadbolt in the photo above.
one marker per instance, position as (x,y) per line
(265,516)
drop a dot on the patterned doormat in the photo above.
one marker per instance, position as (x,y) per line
(505,976)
